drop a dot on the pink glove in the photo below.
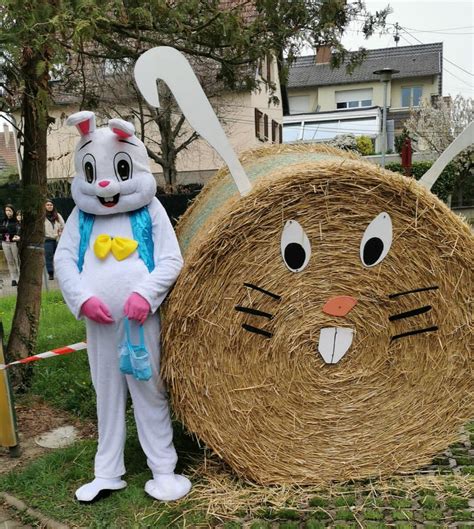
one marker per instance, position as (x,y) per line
(137,308)
(96,310)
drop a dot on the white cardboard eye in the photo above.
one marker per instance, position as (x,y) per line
(295,247)
(376,241)
(84,121)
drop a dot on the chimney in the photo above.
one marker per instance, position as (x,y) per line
(6,133)
(323,54)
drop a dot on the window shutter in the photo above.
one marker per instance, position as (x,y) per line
(265,127)
(258,124)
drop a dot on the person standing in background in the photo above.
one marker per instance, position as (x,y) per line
(53,227)
(19,218)
(8,230)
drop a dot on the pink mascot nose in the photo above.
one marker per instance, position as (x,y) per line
(104,183)
(339,306)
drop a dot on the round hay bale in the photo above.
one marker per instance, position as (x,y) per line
(242,337)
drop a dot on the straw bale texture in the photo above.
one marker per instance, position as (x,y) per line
(270,406)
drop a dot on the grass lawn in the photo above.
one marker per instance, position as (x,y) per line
(437,496)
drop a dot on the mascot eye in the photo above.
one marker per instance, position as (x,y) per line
(376,241)
(295,247)
(123,166)
(88,166)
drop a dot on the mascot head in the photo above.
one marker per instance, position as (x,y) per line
(112,168)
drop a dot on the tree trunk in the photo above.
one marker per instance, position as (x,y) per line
(22,342)
(168,149)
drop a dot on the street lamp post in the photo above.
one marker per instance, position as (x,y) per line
(385,78)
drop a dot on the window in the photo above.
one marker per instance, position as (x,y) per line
(411,96)
(354,98)
(265,127)
(274,131)
(324,130)
(265,68)
(277,131)
(292,132)
(299,104)
(259,124)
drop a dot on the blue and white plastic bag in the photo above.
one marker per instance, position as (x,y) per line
(134,359)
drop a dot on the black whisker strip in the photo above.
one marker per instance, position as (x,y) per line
(411,333)
(263,291)
(391,296)
(255,312)
(410,313)
(256,330)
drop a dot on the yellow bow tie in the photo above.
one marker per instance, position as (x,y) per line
(120,247)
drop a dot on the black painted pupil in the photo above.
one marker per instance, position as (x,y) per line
(295,255)
(123,169)
(373,249)
(89,170)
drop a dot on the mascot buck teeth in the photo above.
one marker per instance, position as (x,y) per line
(116,261)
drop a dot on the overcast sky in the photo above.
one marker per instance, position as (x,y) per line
(451,23)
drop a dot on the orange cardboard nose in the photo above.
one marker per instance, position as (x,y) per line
(339,306)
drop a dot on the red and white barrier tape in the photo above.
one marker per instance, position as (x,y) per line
(48,354)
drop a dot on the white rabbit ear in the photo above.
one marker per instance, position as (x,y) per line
(84,122)
(123,129)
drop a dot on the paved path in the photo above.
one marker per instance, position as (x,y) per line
(7,290)
(6,521)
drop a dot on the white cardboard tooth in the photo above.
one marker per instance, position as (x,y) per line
(334,342)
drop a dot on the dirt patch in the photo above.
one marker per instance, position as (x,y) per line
(34,418)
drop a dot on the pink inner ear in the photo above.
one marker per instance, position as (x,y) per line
(83,126)
(121,133)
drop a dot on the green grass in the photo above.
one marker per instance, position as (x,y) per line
(372,514)
(402,515)
(317,501)
(462,516)
(455,502)
(429,502)
(433,515)
(314,524)
(63,381)
(343,501)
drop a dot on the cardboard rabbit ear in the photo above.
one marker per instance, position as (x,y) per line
(123,129)
(84,121)
(172,67)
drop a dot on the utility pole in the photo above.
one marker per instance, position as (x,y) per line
(396,37)
(385,78)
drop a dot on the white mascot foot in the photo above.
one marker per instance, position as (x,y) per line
(98,489)
(168,487)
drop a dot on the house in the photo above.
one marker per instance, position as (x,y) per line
(325,102)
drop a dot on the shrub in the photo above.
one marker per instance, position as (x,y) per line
(364,145)
(346,142)
(444,185)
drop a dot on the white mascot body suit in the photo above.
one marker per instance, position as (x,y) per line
(118,256)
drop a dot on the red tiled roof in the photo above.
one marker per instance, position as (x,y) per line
(246,7)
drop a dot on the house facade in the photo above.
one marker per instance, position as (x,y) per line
(249,120)
(325,102)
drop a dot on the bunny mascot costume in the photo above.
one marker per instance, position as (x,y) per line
(118,257)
